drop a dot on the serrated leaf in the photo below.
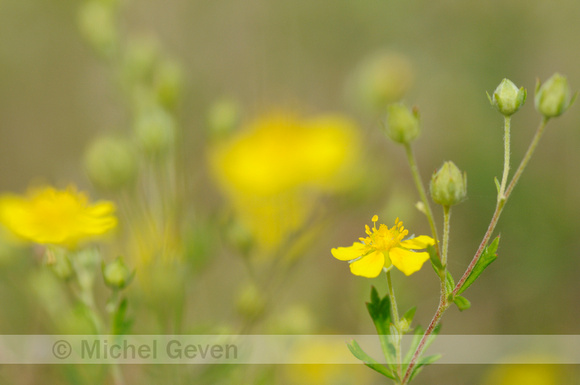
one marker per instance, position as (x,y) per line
(357,351)
(487,257)
(380,311)
(434,258)
(461,302)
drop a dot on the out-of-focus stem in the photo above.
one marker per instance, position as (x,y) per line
(422,193)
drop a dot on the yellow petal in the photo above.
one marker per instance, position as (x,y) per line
(349,253)
(420,242)
(407,261)
(369,266)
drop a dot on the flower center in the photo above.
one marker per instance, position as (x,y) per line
(383,238)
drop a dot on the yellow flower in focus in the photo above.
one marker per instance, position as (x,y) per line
(383,248)
(274,168)
(57,217)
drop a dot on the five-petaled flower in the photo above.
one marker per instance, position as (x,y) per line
(56,217)
(383,248)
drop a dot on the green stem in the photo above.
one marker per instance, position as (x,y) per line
(446,226)
(422,194)
(506,158)
(501,203)
(396,322)
(443,304)
(394,308)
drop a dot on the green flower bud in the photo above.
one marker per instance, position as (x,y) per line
(380,80)
(168,83)
(111,163)
(250,301)
(97,25)
(448,185)
(117,275)
(223,117)
(58,260)
(507,98)
(553,97)
(402,124)
(155,132)
(141,58)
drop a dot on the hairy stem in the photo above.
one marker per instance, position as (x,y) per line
(443,303)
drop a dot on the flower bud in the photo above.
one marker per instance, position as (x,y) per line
(553,97)
(117,275)
(380,80)
(141,57)
(507,98)
(111,163)
(59,262)
(250,301)
(223,118)
(402,124)
(168,83)
(155,132)
(97,24)
(448,185)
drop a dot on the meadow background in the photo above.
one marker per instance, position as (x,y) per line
(56,96)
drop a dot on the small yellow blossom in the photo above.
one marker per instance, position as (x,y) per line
(57,217)
(383,248)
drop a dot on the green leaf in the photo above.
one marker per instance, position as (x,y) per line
(418,334)
(461,302)
(487,257)
(380,311)
(423,362)
(410,314)
(434,258)
(121,325)
(449,282)
(357,351)
(497,186)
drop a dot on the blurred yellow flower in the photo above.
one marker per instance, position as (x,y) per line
(528,374)
(57,217)
(383,248)
(324,374)
(276,166)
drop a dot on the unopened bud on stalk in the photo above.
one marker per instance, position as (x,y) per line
(507,98)
(380,80)
(402,124)
(448,185)
(97,24)
(117,275)
(223,118)
(250,301)
(553,97)
(155,132)
(168,83)
(111,163)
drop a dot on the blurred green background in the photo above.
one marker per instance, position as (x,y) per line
(55,96)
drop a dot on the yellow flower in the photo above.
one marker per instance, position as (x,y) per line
(50,216)
(274,169)
(383,248)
